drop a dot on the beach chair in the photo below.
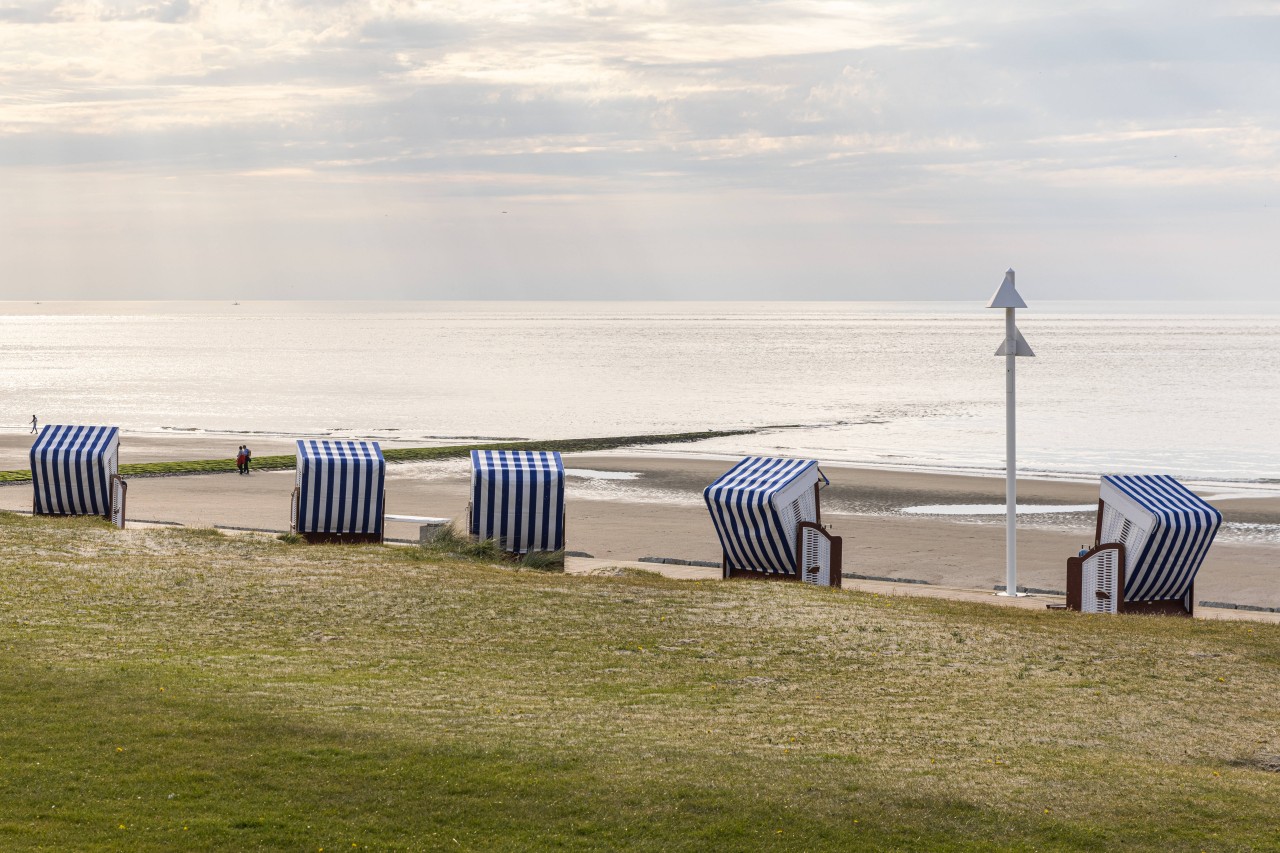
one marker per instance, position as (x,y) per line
(1151,539)
(517,500)
(75,471)
(339,492)
(767,514)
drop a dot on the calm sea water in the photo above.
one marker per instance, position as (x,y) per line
(1189,390)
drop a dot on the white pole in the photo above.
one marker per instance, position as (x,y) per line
(1007,297)
(1011,463)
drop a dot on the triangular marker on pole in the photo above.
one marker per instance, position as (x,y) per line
(1022,348)
(1007,295)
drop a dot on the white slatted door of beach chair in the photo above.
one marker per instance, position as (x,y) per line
(815,557)
(1100,582)
(118,489)
(293,509)
(803,508)
(1116,527)
(807,506)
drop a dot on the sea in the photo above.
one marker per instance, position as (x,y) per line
(1190,389)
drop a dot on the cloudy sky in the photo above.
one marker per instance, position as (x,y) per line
(592,149)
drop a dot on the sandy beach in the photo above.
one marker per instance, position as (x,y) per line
(647,503)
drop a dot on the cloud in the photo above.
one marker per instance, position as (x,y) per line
(915,115)
(29,13)
(169,12)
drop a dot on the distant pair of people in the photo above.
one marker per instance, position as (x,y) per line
(243,456)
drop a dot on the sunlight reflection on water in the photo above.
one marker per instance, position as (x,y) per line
(888,385)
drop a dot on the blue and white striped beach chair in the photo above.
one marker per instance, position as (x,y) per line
(767,515)
(75,471)
(517,499)
(1152,537)
(340,492)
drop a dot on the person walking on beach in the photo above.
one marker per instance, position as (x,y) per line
(34,423)
(240,460)
(248,457)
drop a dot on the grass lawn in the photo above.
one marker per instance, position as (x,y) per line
(174,689)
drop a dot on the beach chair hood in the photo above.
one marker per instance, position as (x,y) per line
(1179,527)
(756,506)
(72,467)
(517,499)
(340,487)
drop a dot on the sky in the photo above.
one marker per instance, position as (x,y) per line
(586,149)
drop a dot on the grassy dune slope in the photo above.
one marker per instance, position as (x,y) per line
(168,690)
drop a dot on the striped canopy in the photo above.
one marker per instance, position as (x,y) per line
(340,486)
(749,507)
(1181,528)
(517,499)
(71,469)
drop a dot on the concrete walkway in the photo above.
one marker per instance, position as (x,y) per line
(590,566)
(586,566)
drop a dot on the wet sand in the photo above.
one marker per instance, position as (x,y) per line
(658,512)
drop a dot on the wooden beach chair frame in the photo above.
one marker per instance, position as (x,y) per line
(114,498)
(819,556)
(119,491)
(1095,584)
(1096,579)
(534,463)
(312,455)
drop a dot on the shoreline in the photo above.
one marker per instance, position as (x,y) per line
(198,444)
(658,512)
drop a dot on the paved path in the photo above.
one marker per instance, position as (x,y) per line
(585,566)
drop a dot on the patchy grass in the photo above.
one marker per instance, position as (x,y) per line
(172,689)
(449,543)
(544,561)
(400,454)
